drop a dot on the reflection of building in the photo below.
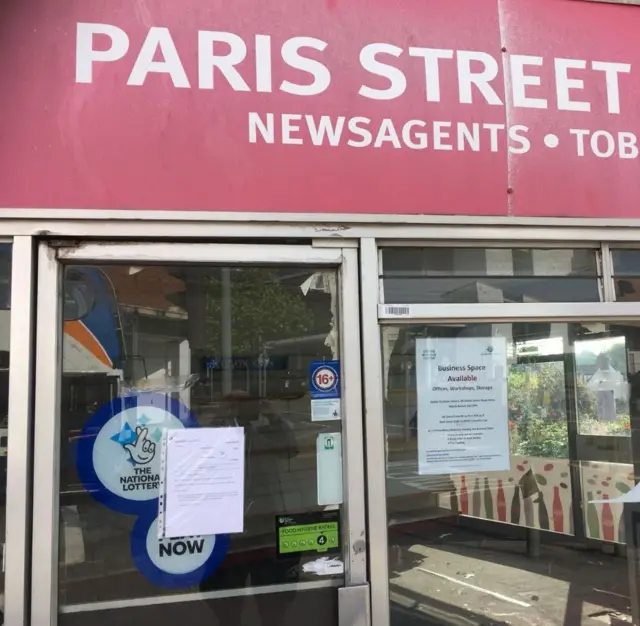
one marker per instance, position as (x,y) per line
(167,325)
(607,378)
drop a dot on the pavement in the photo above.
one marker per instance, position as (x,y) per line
(458,577)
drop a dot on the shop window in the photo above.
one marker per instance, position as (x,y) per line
(495,431)
(481,275)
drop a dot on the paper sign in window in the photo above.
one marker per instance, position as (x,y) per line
(462,405)
(329,459)
(203,475)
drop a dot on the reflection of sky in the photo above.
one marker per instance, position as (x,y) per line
(598,346)
(541,347)
(555,345)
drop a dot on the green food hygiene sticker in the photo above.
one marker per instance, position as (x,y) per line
(308,533)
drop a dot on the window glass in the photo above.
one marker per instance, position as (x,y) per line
(208,347)
(471,275)
(603,380)
(5,275)
(626,262)
(507,447)
(626,272)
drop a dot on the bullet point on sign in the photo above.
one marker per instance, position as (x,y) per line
(551,141)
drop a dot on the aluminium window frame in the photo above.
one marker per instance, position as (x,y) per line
(375,316)
(604,266)
(18,520)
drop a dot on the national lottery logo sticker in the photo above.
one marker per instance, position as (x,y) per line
(178,562)
(118,461)
(118,455)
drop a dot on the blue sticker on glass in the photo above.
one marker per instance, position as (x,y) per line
(177,563)
(324,380)
(118,451)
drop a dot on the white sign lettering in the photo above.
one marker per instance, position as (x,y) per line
(530,82)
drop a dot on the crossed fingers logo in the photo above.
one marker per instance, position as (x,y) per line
(141,450)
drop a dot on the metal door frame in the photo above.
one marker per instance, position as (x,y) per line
(51,259)
(18,488)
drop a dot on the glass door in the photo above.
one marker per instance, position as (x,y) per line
(243,345)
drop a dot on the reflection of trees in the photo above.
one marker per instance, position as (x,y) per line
(537,410)
(262,309)
(185,302)
(587,360)
(538,415)
(618,357)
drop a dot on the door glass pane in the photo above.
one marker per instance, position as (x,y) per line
(508,445)
(470,275)
(5,319)
(150,348)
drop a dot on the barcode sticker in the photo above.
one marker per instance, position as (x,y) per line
(398,310)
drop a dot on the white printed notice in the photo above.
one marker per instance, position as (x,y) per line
(204,482)
(462,405)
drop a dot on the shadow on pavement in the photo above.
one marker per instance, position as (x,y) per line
(595,585)
(427,611)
